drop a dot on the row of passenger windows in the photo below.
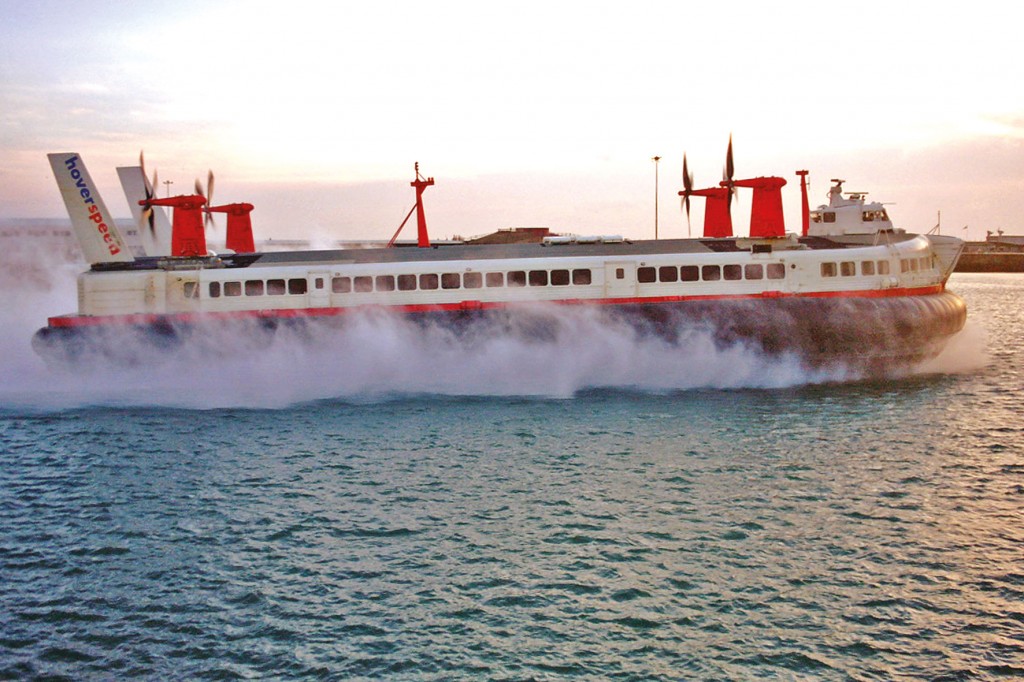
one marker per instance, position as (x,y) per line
(540,278)
(460,280)
(709,273)
(870,267)
(256,287)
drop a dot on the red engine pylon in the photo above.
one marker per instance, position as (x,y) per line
(238,236)
(766,218)
(717,217)
(187,235)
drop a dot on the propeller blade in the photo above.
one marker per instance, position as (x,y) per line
(209,198)
(728,173)
(687,190)
(147,210)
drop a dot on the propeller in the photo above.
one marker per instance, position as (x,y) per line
(147,208)
(208,195)
(727,176)
(687,191)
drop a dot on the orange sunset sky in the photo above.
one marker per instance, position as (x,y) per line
(526,113)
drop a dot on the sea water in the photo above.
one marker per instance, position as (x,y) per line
(407,505)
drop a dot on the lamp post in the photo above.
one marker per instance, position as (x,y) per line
(655,159)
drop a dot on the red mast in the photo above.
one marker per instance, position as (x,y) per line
(805,207)
(422,238)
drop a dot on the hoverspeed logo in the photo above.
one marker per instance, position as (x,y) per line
(95,214)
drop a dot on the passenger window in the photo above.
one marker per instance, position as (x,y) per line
(190,290)
(275,287)
(214,289)
(472,280)
(254,287)
(407,282)
(559,278)
(341,285)
(645,275)
(385,283)
(883,267)
(847,268)
(668,273)
(689,273)
(297,286)
(538,278)
(495,279)
(581,277)
(754,271)
(428,281)
(451,280)
(828,269)
(867,267)
(363,284)
(776,271)
(732,272)
(711,273)
(517,278)
(232,288)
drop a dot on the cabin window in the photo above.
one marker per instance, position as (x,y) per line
(362,284)
(428,281)
(254,287)
(828,269)
(753,271)
(645,275)
(732,272)
(407,282)
(883,267)
(384,283)
(904,265)
(913,265)
(517,278)
(495,279)
(559,278)
(689,273)
(847,268)
(472,280)
(451,280)
(668,273)
(190,290)
(776,270)
(340,285)
(538,278)
(214,289)
(828,217)
(232,288)
(581,277)
(867,267)
(926,263)
(815,217)
(711,273)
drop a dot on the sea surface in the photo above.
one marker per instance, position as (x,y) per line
(590,507)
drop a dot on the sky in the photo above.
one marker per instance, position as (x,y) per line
(526,113)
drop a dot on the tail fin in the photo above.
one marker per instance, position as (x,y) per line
(99,238)
(155,235)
